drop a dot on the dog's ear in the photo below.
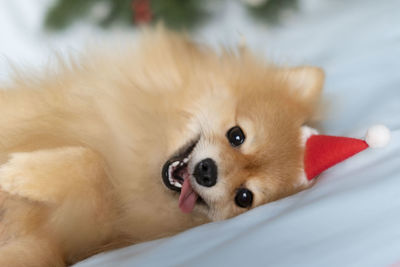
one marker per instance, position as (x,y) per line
(305,83)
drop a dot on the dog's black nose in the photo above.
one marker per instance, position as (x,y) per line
(206,172)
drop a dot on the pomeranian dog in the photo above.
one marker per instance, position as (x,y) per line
(121,147)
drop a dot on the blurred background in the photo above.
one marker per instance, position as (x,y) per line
(357,42)
(32,30)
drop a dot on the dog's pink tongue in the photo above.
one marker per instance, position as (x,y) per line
(187,198)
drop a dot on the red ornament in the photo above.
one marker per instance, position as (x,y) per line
(323,151)
(141,11)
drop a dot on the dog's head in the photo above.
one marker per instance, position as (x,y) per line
(246,147)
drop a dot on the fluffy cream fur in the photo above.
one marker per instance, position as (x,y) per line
(82,147)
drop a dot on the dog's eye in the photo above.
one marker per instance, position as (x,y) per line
(235,136)
(244,198)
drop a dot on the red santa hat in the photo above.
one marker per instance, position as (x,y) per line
(323,151)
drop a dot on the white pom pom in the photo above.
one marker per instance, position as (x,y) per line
(377,136)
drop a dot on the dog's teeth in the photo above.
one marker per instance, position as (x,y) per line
(185,160)
(177,184)
(176,163)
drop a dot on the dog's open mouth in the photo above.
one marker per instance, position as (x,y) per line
(176,175)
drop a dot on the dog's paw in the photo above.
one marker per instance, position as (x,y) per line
(49,175)
(19,176)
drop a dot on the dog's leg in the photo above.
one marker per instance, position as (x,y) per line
(69,190)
